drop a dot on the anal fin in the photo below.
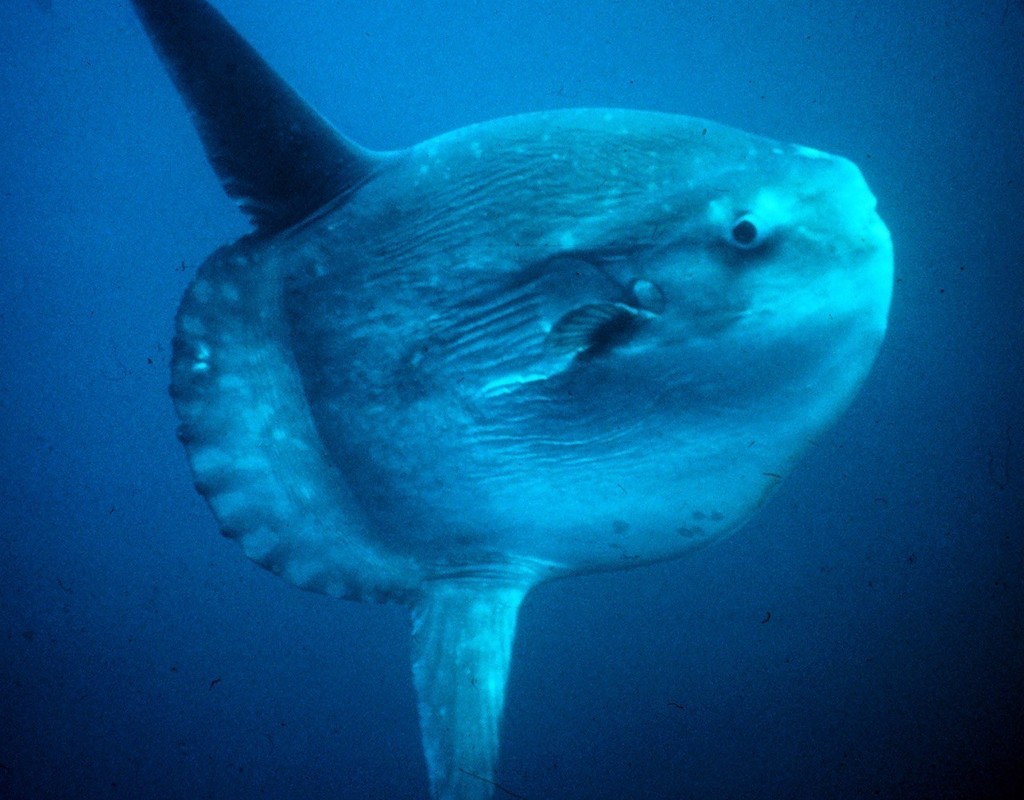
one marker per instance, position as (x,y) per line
(462,637)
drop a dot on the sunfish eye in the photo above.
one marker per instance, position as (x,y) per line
(747,233)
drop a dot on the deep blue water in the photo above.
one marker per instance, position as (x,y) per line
(144,657)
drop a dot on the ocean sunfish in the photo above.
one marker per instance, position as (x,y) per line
(541,346)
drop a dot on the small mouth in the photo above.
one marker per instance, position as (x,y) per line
(871,235)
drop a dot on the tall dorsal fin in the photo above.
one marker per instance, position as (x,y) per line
(274,154)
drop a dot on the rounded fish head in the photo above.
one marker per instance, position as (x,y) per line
(776,281)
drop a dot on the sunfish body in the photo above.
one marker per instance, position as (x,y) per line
(545,345)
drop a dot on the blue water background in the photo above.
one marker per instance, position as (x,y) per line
(142,656)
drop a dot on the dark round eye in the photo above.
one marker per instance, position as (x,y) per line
(745,233)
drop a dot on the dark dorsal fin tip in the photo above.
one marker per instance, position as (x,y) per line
(274,154)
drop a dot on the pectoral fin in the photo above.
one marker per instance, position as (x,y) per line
(593,329)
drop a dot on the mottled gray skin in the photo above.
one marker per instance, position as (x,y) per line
(459,436)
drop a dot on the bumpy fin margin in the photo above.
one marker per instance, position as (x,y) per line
(274,154)
(462,637)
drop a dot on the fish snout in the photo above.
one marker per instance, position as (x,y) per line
(862,243)
(854,205)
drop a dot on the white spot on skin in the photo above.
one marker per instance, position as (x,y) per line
(257,416)
(192,326)
(301,573)
(720,212)
(810,152)
(231,504)
(508,383)
(209,460)
(773,208)
(202,359)
(201,291)
(231,383)
(259,543)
